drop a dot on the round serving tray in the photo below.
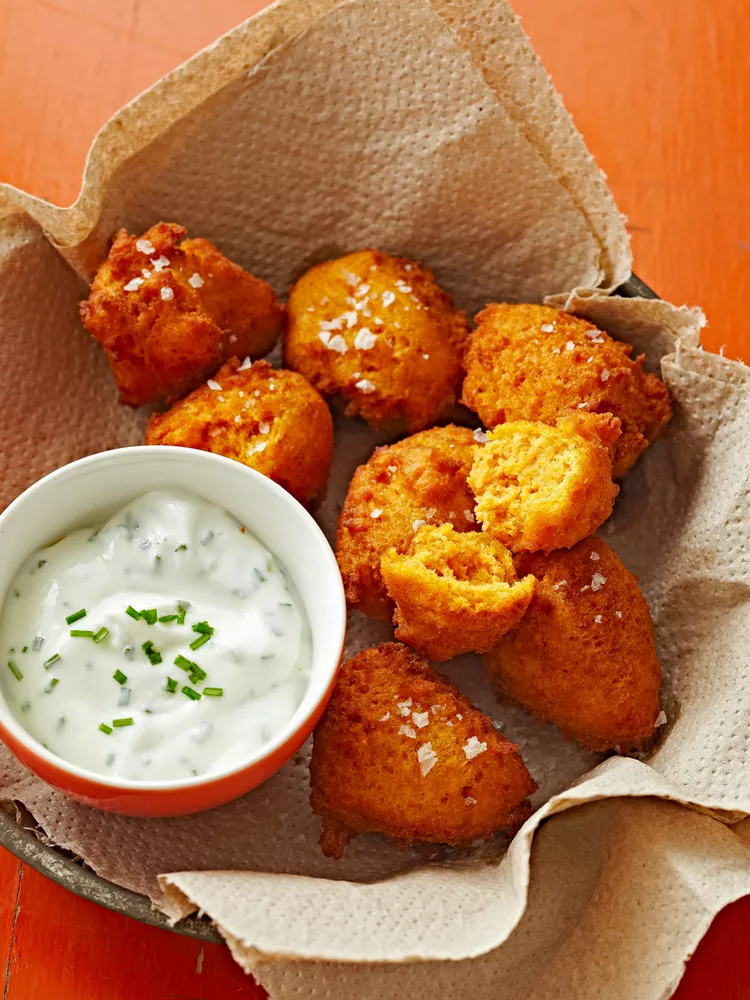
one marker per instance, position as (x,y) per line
(83,882)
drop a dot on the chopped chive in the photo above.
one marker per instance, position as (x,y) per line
(130,610)
(181,548)
(197,643)
(79,633)
(23,650)
(104,728)
(119,723)
(15,671)
(192,695)
(150,614)
(119,676)
(183,662)
(171,685)
(213,692)
(155,658)
(42,562)
(168,618)
(52,685)
(147,646)
(75,616)
(101,634)
(204,628)
(157,559)
(261,578)
(53,659)
(197,672)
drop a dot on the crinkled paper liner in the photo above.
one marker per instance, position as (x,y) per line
(428,129)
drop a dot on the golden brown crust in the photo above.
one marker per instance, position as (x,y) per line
(366,776)
(541,488)
(163,336)
(272,421)
(583,657)
(455,592)
(420,479)
(520,366)
(392,340)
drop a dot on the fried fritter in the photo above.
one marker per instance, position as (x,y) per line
(169,311)
(400,752)
(272,421)
(541,488)
(530,362)
(379,332)
(404,485)
(583,657)
(455,592)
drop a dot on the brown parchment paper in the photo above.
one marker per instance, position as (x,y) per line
(429,129)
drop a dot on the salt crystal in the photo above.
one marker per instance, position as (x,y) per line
(332,324)
(570,345)
(594,336)
(598,619)
(604,375)
(547,327)
(470,801)
(406,703)
(196,281)
(264,428)
(145,272)
(436,708)
(555,350)
(427,758)
(351,319)
(161,262)
(584,589)
(364,341)
(133,284)
(407,731)
(469,515)
(213,385)
(472,748)
(582,405)
(480,436)
(661,719)
(560,584)
(261,446)
(247,363)
(392,469)
(375,513)
(426,357)
(167,294)
(594,557)
(237,418)
(449,723)
(416,525)
(364,385)
(420,719)
(385,718)
(388,298)
(336,343)
(618,614)
(145,246)
(324,337)
(459,716)
(430,513)
(597,581)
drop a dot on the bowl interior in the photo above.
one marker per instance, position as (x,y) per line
(86,492)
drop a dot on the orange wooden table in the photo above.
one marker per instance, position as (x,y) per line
(659,89)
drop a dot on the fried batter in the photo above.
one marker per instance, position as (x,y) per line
(530,362)
(404,485)
(541,488)
(379,332)
(402,753)
(583,657)
(169,311)
(454,592)
(272,421)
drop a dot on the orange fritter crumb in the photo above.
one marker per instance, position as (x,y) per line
(583,657)
(400,752)
(539,487)
(530,362)
(272,421)
(455,592)
(379,332)
(169,311)
(419,480)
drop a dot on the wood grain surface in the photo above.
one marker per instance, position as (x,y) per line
(660,90)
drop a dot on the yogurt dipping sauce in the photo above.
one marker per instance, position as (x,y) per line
(195,650)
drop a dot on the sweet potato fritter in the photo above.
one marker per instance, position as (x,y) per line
(541,488)
(377,331)
(455,592)
(404,485)
(272,421)
(583,657)
(402,753)
(530,362)
(169,311)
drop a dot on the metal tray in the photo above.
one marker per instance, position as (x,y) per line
(84,882)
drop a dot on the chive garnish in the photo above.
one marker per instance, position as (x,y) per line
(79,633)
(23,650)
(75,616)
(147,646)
(104,728)
(119,723)
(213,692)
(150,614)
(130,610)
(42,562)
(192,695)
(197,673)
(101,634)
(15,671)
(168,618)
(181,616)
(183,662)
(53,659)
(181,548)
(197,643)
(171,685)
(119,676)
(155,658)
(52,685)
(204,628)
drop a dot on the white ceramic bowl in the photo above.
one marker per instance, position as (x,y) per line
(86,492)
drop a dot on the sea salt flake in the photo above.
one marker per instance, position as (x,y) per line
(598,619)
(420,719)
(661,719)
(582,405)
(570,345)
(470,801)
(260,446)
(562,583)
(364,385)
(337,343)
(469,515)
(426,357)
(472,748)
(392,469)
(385,718)
(437,708)
(324,337)
(547,327)
(555,350)
(403,287)
(597,581)
(213,385)
(430,513)
(264,428)
(166,293)
(364,341)
(161,262)
(351,319)
(375,513)
(416,525)
(145,272)
(407,731)
(449,723)
(388,299)
(594,557)
(427,758)
(618,614)
(594,336)
(145,246)
(247,363)
(459,716)
(238,418)
(133,285)
(604,375)
(584,589)
(332,324)
(406,704)
(480,436)
(196,281)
